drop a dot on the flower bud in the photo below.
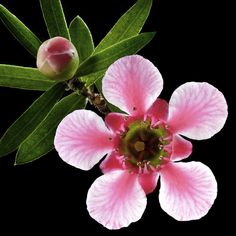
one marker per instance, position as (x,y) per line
(57,59)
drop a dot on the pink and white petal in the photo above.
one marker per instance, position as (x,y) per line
(188,190)
(82,139)
(148,182)
(116,199)
(197,110)
(132,83)
(158,111)
(111,162)
(181,148)
(116,121)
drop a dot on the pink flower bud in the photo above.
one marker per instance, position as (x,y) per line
(57,59)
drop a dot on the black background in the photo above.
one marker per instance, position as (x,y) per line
(48,195)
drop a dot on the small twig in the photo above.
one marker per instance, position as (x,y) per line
(95,99)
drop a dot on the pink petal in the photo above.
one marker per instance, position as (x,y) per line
(158,111)
(148,182)
(132,83)
(110,163)
(82,139)
(115,121)
(197,110)
(181,148)
(187,191)
(60,61)
(58,45)
(116,199)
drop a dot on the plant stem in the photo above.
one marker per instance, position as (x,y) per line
(95,99)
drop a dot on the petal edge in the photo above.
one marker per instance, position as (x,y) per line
(82,139)
(197,110)
(116,199)
(188,190)
(132,83)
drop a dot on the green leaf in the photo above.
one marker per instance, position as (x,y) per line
(129,25)
(99,62)
(29,120)
(54,18)
(92,78)
(40,142)
(81,38)
(23,78)
(28,39)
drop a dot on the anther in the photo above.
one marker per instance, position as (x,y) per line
(139,163)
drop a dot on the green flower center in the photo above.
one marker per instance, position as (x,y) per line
(143,146)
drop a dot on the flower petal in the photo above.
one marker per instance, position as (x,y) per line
(197,110)
(132,83)
(181,148)
(148,182)
(158,111)
(187,191)
(116,199)
(82,139)
(115,121)
(110,163)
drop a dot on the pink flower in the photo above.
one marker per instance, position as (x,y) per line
(57,59)
(144,144)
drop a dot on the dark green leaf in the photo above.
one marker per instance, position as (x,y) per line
(99,62)
(92,78)
(28,39)
(81,38)
(54,18)
(30,119)
(129,25)
(40,142)
(23,78)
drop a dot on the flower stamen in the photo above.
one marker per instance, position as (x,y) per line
(145,146)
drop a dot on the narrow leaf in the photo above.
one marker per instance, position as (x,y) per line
(92,78)
(29,120)
(129,25)
(99,62)
(23,34)
(54,18)
(40,142)
(23,78)
(81,38)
